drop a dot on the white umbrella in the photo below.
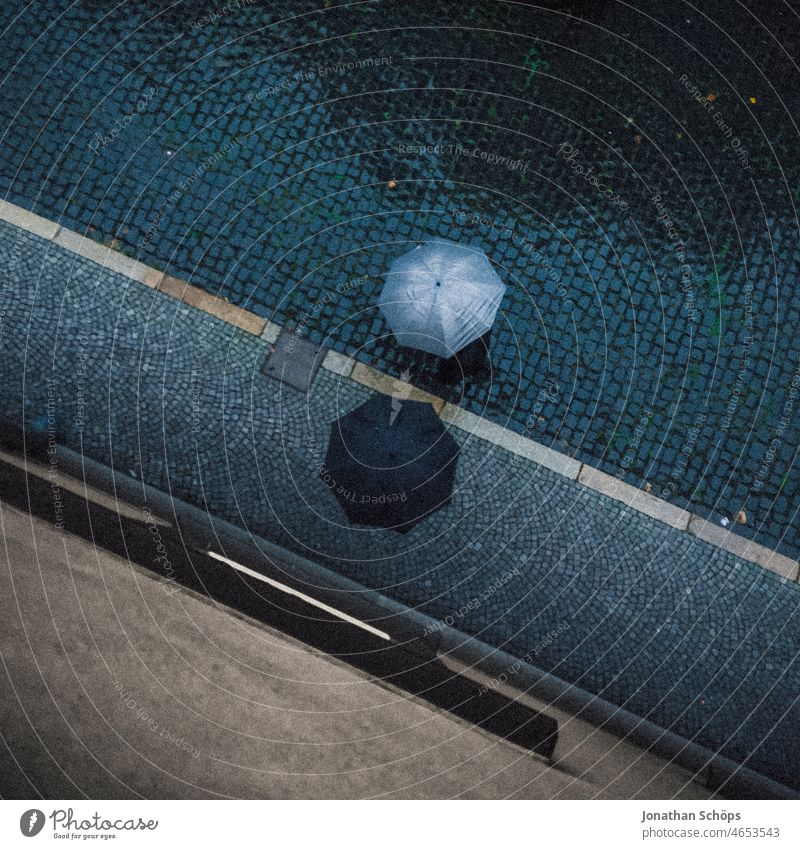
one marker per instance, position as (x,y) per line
(441,296)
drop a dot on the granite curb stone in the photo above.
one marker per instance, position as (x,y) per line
(472,424)
(635,498)
(744,548)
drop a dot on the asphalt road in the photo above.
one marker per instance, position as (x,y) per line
(119,683)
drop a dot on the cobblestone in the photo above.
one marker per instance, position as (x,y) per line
(649,617)
(664,301)
(653,337)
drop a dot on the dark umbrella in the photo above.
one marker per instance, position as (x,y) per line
(390,463)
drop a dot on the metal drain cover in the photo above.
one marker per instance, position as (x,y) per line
(294,360)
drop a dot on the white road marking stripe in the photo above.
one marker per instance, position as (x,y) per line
(307,598)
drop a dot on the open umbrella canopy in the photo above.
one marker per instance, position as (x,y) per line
(390,463)
(441,296)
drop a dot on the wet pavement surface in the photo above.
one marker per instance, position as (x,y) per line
(631,171)
(651,618)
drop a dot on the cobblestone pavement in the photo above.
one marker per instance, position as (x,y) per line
(282,154)
(650,618)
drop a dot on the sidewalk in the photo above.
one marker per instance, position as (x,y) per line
(649,617)
(649,240)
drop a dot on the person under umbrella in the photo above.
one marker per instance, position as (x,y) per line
(440,297)
(390,463)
